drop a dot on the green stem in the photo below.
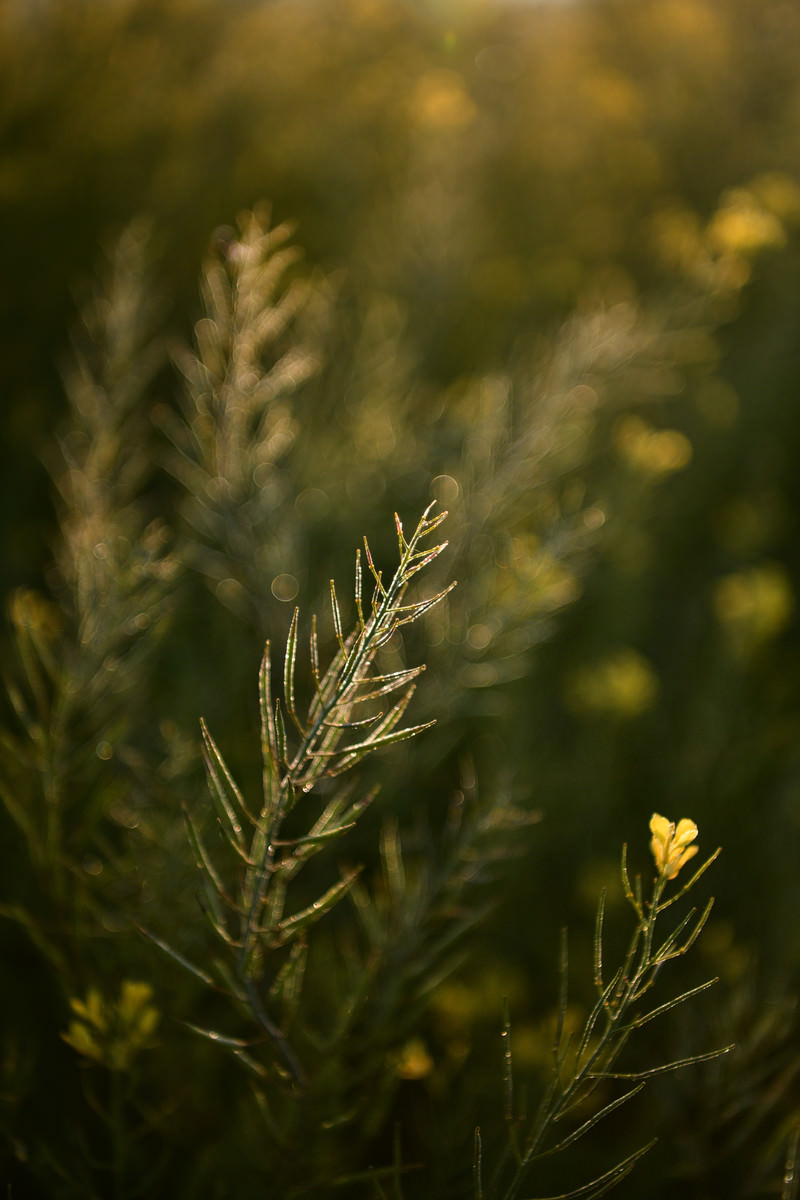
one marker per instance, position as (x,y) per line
(119,1147)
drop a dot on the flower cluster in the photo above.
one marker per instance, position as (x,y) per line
(113,1033)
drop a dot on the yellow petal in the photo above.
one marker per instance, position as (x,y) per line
(676,865)
(79,1036)
(133,998)
(685,833)
(660,827)
(662,831)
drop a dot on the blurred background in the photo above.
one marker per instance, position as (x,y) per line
(554,268)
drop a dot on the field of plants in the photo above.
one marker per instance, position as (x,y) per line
(400,707)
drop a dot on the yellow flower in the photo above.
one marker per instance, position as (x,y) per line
(671,845)
(414,1061)
(113,1032)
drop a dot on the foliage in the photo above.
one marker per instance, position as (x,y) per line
(555,291)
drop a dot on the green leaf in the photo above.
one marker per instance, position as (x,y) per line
(402,544)
(178,958)
(638,1021)
(315,839)
(387,739)
(376,574)
(701,870)
(204,862)
(227,798)
(221,1039)
(288,985)
(288,672)
(605,1182)
(269,741)
(288,928)
(389,683)
(280,733)
(358,593)
(612,1106)
(416,610)
(314,650)
(354,724)
(228,980)
(598,941)
(421,560)
(675,1065)
(337,617)
(477,1165)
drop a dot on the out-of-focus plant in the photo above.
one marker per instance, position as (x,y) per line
(753,605)
(739,1118)
(238,424)
(80,681)
(78,695)
(113,1034)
